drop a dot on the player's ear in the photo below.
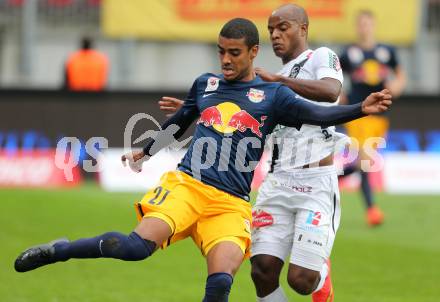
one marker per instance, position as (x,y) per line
(304,29)
(254,51)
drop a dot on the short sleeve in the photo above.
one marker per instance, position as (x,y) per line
(326,64)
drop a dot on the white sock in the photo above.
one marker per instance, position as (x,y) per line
(277,295)
(323,273)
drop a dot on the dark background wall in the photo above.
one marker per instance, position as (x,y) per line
(55,114)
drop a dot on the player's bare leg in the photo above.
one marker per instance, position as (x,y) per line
(223,260)
(374,215)
(138,245)
(304,281)
(265,273)
(154,229)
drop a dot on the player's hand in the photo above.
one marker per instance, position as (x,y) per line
(377,102)
(267,76)
(135,160)
(170,105)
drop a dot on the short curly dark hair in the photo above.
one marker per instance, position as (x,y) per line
(241,28)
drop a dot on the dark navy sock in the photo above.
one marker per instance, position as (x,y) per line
(108,245)
(218,287)
(366,190)
(349,170)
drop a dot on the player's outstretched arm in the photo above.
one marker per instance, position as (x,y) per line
(293,111)
(172,129)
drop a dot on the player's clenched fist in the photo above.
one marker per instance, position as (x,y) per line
(135,160)
(377,102)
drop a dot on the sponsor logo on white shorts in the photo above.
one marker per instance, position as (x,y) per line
(261,218)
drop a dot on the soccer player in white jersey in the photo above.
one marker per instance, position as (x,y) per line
(297,210)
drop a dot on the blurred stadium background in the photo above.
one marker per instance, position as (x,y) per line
(157,48)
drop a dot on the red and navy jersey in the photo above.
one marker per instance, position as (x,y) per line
(233,120)
(368,69)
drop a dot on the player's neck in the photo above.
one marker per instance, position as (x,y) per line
(296,53)
(367,43)
(249,76)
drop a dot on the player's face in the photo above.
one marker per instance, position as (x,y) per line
(236,58)
(285,36)
(365,27)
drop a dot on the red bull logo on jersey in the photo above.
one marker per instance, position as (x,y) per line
(255,95)
(229,117)
(210,116)
(371,72)
(314,218)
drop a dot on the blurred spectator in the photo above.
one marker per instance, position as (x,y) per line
(371,67)
(86,69)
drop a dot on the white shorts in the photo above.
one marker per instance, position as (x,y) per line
(297,213)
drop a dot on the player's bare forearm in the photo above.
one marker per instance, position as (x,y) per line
(397,85)
(324,90)
(343,100)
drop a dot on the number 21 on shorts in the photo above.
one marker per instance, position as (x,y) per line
(159,197)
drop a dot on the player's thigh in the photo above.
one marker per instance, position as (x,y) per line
(375,131)
(174,201)
(273,221)
(381,127)
(356,131)
(154,229)
(316,227)
(225,257)
(272,232)
(226,219)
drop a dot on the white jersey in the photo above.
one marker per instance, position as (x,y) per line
(297,211)
(294,147)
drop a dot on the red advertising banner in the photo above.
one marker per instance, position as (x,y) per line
(227,9)
(34,169)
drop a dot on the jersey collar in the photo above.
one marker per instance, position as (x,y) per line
(305,54)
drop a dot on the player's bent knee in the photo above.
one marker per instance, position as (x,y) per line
(128,248)
(261,276)
(218,287)
(265,269)
(303,281)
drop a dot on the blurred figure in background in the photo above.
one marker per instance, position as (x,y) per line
(86,69)
(371,67)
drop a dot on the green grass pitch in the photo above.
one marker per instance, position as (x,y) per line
(397,262)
